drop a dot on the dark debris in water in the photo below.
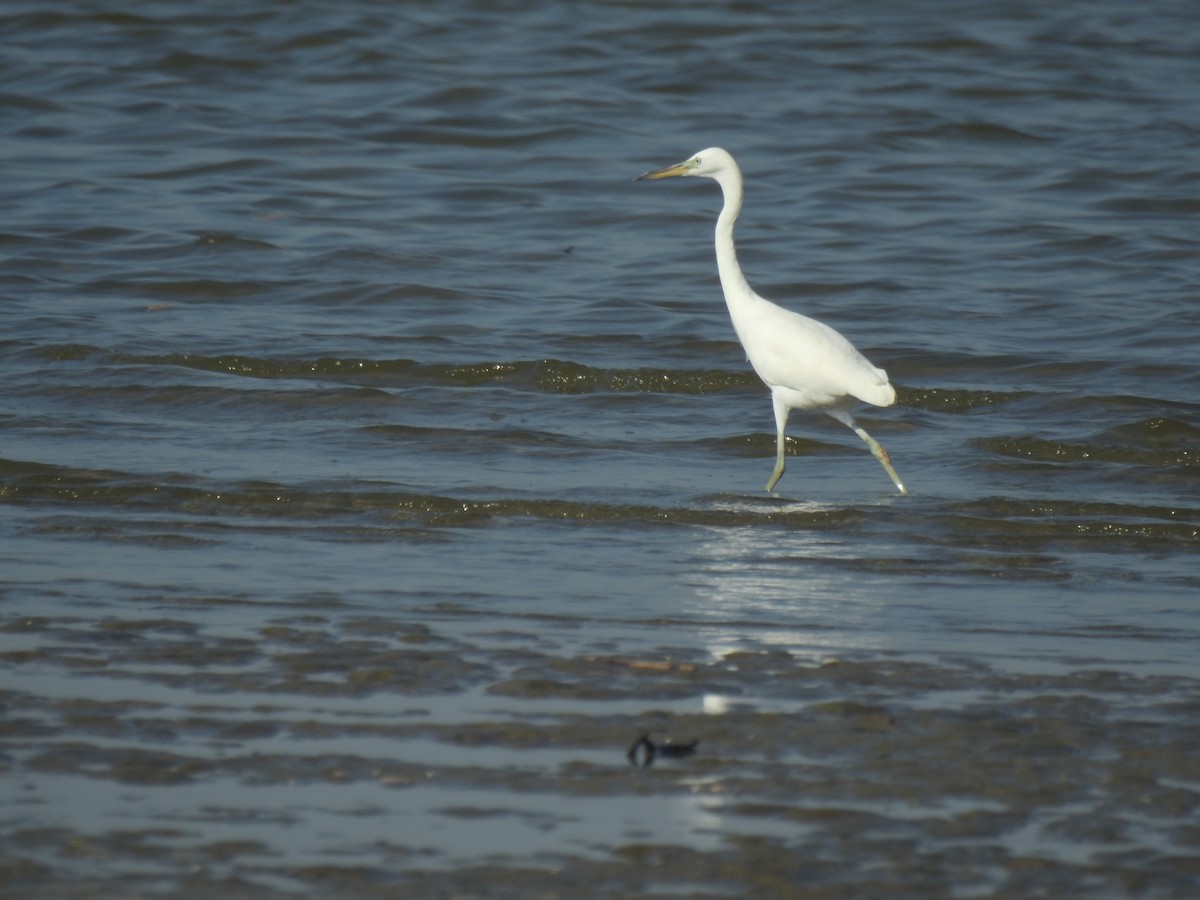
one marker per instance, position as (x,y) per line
(644,751)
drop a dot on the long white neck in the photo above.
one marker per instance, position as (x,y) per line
(733,282)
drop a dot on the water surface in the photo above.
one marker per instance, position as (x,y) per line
(379,462)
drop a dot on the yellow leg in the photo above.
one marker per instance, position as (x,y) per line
(781,415)
(778,473)
(885,458)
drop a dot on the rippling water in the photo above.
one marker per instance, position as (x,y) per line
(379,463)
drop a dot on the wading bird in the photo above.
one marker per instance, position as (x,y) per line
(805,363)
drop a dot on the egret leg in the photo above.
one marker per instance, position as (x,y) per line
(781,417)
(873,445)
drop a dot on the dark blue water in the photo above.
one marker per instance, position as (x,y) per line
(378,460)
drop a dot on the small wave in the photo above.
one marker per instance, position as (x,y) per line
(366,506)
(548,375)
(956,400)
(1149,443)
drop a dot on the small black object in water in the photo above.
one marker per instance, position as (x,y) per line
(646,750)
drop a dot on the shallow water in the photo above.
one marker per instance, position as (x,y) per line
(379,462)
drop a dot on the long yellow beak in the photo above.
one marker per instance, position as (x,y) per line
(665,172)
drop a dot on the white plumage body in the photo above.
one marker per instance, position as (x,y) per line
(808,362)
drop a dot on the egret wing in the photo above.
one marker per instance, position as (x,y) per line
(811,359)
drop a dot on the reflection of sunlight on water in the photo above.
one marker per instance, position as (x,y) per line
(756,587)
(765,586)
(772,586)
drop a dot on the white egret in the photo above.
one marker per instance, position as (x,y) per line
(805,363)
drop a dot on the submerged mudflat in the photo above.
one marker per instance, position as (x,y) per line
(358,756)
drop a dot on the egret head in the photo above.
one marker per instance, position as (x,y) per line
(710,163)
